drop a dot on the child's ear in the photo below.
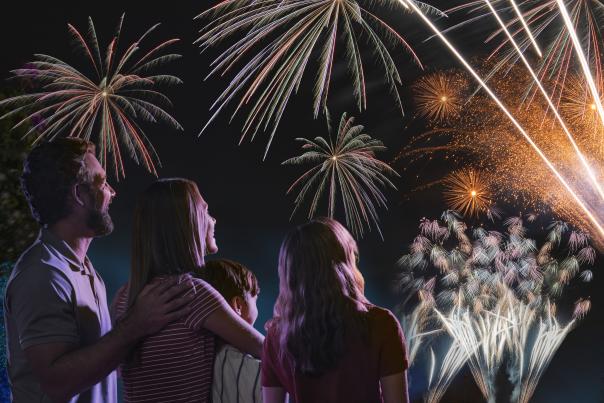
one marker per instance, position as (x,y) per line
(237,304)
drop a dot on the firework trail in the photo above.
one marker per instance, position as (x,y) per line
(511,118)
(549,337)
(455,358)
(543,18)
(346,167)
(106,104)
(514,174)
(595,92)
(279,39)
(552,107)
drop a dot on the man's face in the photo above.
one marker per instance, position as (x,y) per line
(97,198)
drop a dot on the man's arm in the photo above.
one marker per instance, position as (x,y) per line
(65,370)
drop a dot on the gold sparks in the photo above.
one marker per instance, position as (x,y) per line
(438,96)
(467,192)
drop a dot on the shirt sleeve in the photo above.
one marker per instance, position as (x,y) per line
(393,353)
(269,362)
(41,301)
(206,301)
(119,304)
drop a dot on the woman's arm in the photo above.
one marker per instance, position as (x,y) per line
(229,326)
(394,388)
(273,395)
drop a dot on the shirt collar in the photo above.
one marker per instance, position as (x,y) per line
(63,248)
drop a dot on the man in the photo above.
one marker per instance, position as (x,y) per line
(61,347)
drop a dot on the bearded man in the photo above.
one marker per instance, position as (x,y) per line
(61,346)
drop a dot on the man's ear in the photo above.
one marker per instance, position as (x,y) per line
(76,193)
(237,304)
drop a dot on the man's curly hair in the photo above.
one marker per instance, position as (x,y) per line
(49,172)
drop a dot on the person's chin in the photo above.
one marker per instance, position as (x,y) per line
(101,224)
(107,230)
(212,249)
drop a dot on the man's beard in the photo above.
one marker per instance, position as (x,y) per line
(100,222)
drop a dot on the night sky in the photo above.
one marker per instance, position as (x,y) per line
(247,194)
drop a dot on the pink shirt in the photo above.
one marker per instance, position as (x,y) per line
(175,364)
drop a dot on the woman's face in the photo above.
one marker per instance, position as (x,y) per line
(211,246)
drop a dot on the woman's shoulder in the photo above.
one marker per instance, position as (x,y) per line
(378,313)
(200,286)
(382,319)
(120,302)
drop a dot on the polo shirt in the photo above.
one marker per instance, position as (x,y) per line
(52,297)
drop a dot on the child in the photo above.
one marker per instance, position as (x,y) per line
(236,375)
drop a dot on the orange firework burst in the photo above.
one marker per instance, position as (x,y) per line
(482,138)
(577,103)
(466,191)
(439,96)
(580,109)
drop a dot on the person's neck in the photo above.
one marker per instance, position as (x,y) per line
(74,235)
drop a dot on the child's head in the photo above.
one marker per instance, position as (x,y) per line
(236,283)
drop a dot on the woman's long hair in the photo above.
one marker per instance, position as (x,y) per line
(321,298)
(169,232)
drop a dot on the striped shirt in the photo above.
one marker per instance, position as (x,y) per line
(175,364)
(236,377)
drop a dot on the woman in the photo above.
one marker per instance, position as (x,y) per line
(172,233)
(326,342)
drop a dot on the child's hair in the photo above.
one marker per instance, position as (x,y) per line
(229,278)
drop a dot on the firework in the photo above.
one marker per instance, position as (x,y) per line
(516,174)
(482,337)
(578,107)
(588,170)
(502,107)
(439,96)
(542,18)
(347,167)
(454,359)
(549,337)
(494,299)
(526,28)
(279,40)
(582,307)
(572,32)
(105,105)
(467,192)
(577,104)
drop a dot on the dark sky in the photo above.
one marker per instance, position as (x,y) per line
(246,194)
